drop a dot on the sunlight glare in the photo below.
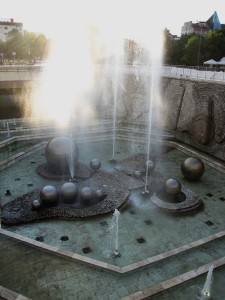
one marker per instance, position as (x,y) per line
(89,35)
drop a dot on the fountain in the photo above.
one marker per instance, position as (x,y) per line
(114,117)
(8,129)
(115,232)
(94,192)
(206,291)
(76,187)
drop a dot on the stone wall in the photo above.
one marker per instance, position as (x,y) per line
(195,113)
(192,110)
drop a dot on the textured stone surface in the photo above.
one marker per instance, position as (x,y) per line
(114,185)
(190,204)
(81,172)
(193,110)
(200,121)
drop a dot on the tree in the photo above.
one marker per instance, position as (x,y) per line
(174,48)
(27,45)
(191,51)
(36,45)
(214,46)
(167,47)
(15,43)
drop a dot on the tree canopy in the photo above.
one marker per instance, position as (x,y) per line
(26,45)
(193,49)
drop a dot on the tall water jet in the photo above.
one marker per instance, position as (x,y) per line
(8,129)
(115,232)
(206,291)
(115,85)
(153,95)
(71,162)
(115,91)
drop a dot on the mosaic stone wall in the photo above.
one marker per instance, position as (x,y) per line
(192,110)
(195,113)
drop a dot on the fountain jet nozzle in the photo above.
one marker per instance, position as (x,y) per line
(206,291)
(145,192)
(116,253)
(113,160)
(72,179)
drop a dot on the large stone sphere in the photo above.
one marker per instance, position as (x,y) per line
(172,186)
(192,168)
(61,152)
(95,164)
(69,191)
(49,195)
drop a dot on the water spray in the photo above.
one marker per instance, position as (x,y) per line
(115,229)
(206,291)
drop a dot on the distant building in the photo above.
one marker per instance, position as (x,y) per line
(202,27)
(7,25)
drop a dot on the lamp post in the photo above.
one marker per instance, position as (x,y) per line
(14,55)
(199,46)
(1,55)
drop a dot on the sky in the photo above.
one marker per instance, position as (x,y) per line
(54,16)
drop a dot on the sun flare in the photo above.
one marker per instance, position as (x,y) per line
(67,80)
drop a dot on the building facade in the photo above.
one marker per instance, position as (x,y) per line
(202,27)
(7,25)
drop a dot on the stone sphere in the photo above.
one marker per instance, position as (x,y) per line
(86,194)
(150,165)
(69,191)
(61,151)
(137,174)
(192,168)
(49,195)
(172,186)
(36,204)
(99,194)
(95,164)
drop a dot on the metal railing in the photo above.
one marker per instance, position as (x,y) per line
(201,73)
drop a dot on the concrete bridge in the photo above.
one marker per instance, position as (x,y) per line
(16,76)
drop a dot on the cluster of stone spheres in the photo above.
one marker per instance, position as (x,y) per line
(192,168)
(59,149)
(68,193)
(85,195)
(62,159)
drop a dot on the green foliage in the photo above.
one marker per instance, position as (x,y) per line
(27,45)
(193,49)
(214,45)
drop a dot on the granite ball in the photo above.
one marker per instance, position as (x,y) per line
(49,195)
(68,192)
(36,204)
(192,168)
(137,174)
(61,151)
(172,186)
(99,194)
(150,165)
(86,195)
(95,164)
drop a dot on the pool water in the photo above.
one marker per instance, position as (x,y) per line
(144,231)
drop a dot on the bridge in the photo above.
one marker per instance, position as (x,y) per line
(15,76)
